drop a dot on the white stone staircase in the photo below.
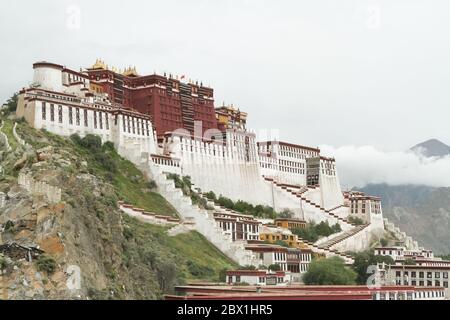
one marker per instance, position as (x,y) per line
(310,206)
(334,240)
(328,252)
(203,219)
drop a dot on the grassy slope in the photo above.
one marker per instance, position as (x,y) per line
(129,183)
(8,130)
(195,257)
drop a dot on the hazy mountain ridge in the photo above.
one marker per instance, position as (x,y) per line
(422,212)
(432,148)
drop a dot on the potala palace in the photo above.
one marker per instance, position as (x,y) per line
(167,125)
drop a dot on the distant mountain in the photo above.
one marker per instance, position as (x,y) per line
(422,212)
(432,148)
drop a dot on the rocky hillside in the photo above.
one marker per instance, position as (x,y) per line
(46,242)
(422,212)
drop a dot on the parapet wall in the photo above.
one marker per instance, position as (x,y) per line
(17,137)
(410,243)
(2,199)
(4,138)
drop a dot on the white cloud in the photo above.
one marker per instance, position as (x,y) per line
(360,165)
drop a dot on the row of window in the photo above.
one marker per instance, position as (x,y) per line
(421,283)
(135,125)
(437,274)
(100,119)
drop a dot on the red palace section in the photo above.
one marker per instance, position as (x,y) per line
(170,103)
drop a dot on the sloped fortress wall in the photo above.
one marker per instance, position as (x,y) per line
(230,169)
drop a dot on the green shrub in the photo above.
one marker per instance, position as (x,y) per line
(286,214)
(199,271)
(355,220)
(282,243)
(247,267)
(3,263)
(330,271)
(211,196)
(151,184)
(274,267)
(46,263)
(312,232)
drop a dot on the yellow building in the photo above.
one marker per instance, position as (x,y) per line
(272,235)
(290,223)
(228,117)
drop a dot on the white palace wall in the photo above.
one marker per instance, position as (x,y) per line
(64,115)
(331,193)
(225,169)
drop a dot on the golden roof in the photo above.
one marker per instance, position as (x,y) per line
(99,64)
(130,72)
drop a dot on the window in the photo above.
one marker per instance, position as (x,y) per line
(95,119)
(77,116)
(429,275)
(60,116)
(262,280)
(106,121)
(44,110)
(445,275)
(70,116)
(52,112)
(437,283)
(238,278)
(421,274)
(437,274)
(100,119)
(413,274)
(85,118)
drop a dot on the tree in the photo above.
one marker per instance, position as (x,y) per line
(274,267)
(248,267)
(330,271)
(409,262)
(365,259)
(12,103)
(282,243)
(383,242)
(355,220)
(286,214)
(211,196)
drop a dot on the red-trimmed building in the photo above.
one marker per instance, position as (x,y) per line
(217,292)
(257,277)
(238,226)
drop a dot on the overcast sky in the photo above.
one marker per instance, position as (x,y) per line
(339,73)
